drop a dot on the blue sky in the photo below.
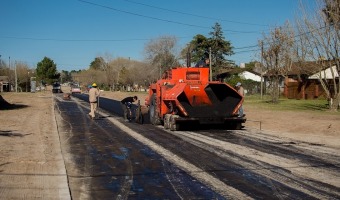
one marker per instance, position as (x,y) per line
(73,32)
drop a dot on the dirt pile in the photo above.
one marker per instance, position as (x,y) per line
(4,105)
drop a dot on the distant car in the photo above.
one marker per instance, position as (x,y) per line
(75,89)
(56,87)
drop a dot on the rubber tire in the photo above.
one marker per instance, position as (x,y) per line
(234,126)
(154,119)
(167,121)
(139,116)
(173,125)
(238,126)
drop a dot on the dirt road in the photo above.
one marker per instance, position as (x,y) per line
(31,163)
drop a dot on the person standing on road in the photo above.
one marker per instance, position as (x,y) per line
(240,90)
(93,97)
(126,104)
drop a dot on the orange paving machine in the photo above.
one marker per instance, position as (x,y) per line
(186,96)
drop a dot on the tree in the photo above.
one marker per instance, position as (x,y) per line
(196,49)
(200,47)
(331,12)
(277,56)
(220,49)
(65,76)
(161,53)
(47,70)
(23,75)
(319,33)
(117,71)
(4,69)
(98,63)
(124,77)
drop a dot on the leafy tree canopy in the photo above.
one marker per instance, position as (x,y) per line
(200,47)
(47,71)
(220,48)
(98,64)
(197,48)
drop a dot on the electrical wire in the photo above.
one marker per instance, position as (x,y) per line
(199,16)
(159,19)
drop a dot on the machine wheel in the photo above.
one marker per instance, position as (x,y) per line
(167,121)
(238,126)
(235,126)
(173,125)
(154,119)
(139,115)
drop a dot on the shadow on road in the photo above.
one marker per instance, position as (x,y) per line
(11,134)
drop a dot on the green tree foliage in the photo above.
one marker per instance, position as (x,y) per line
(196,49)
(47,71)
(200,46)
(98,64)
(220,48)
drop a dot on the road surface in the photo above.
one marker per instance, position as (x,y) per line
(110,158)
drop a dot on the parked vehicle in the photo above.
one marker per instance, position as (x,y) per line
(56,87)
(75,89)
(185,95)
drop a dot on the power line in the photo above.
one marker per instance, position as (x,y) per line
(295,37)
(199,16)
(159,19)
(110,40)
(245,47)
(73,40)
(93,40)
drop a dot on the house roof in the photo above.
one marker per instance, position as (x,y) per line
(302,69)
(325,74)
(251,75)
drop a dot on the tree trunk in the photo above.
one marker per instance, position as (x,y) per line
(334,103)
(275,90)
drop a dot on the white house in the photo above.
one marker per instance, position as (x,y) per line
(325,74)
(250,75)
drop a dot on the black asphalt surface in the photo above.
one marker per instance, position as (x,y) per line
(102,161)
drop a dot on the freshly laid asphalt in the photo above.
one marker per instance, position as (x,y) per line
(103,162)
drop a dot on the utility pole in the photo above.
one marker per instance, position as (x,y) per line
(28,79)
(9,73)
(210,64)
(261,69)
(15,76)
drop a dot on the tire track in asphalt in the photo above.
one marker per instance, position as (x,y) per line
(108,141)
(84,164)
(231,174)
(317,159)
(250,171)
(294,174)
